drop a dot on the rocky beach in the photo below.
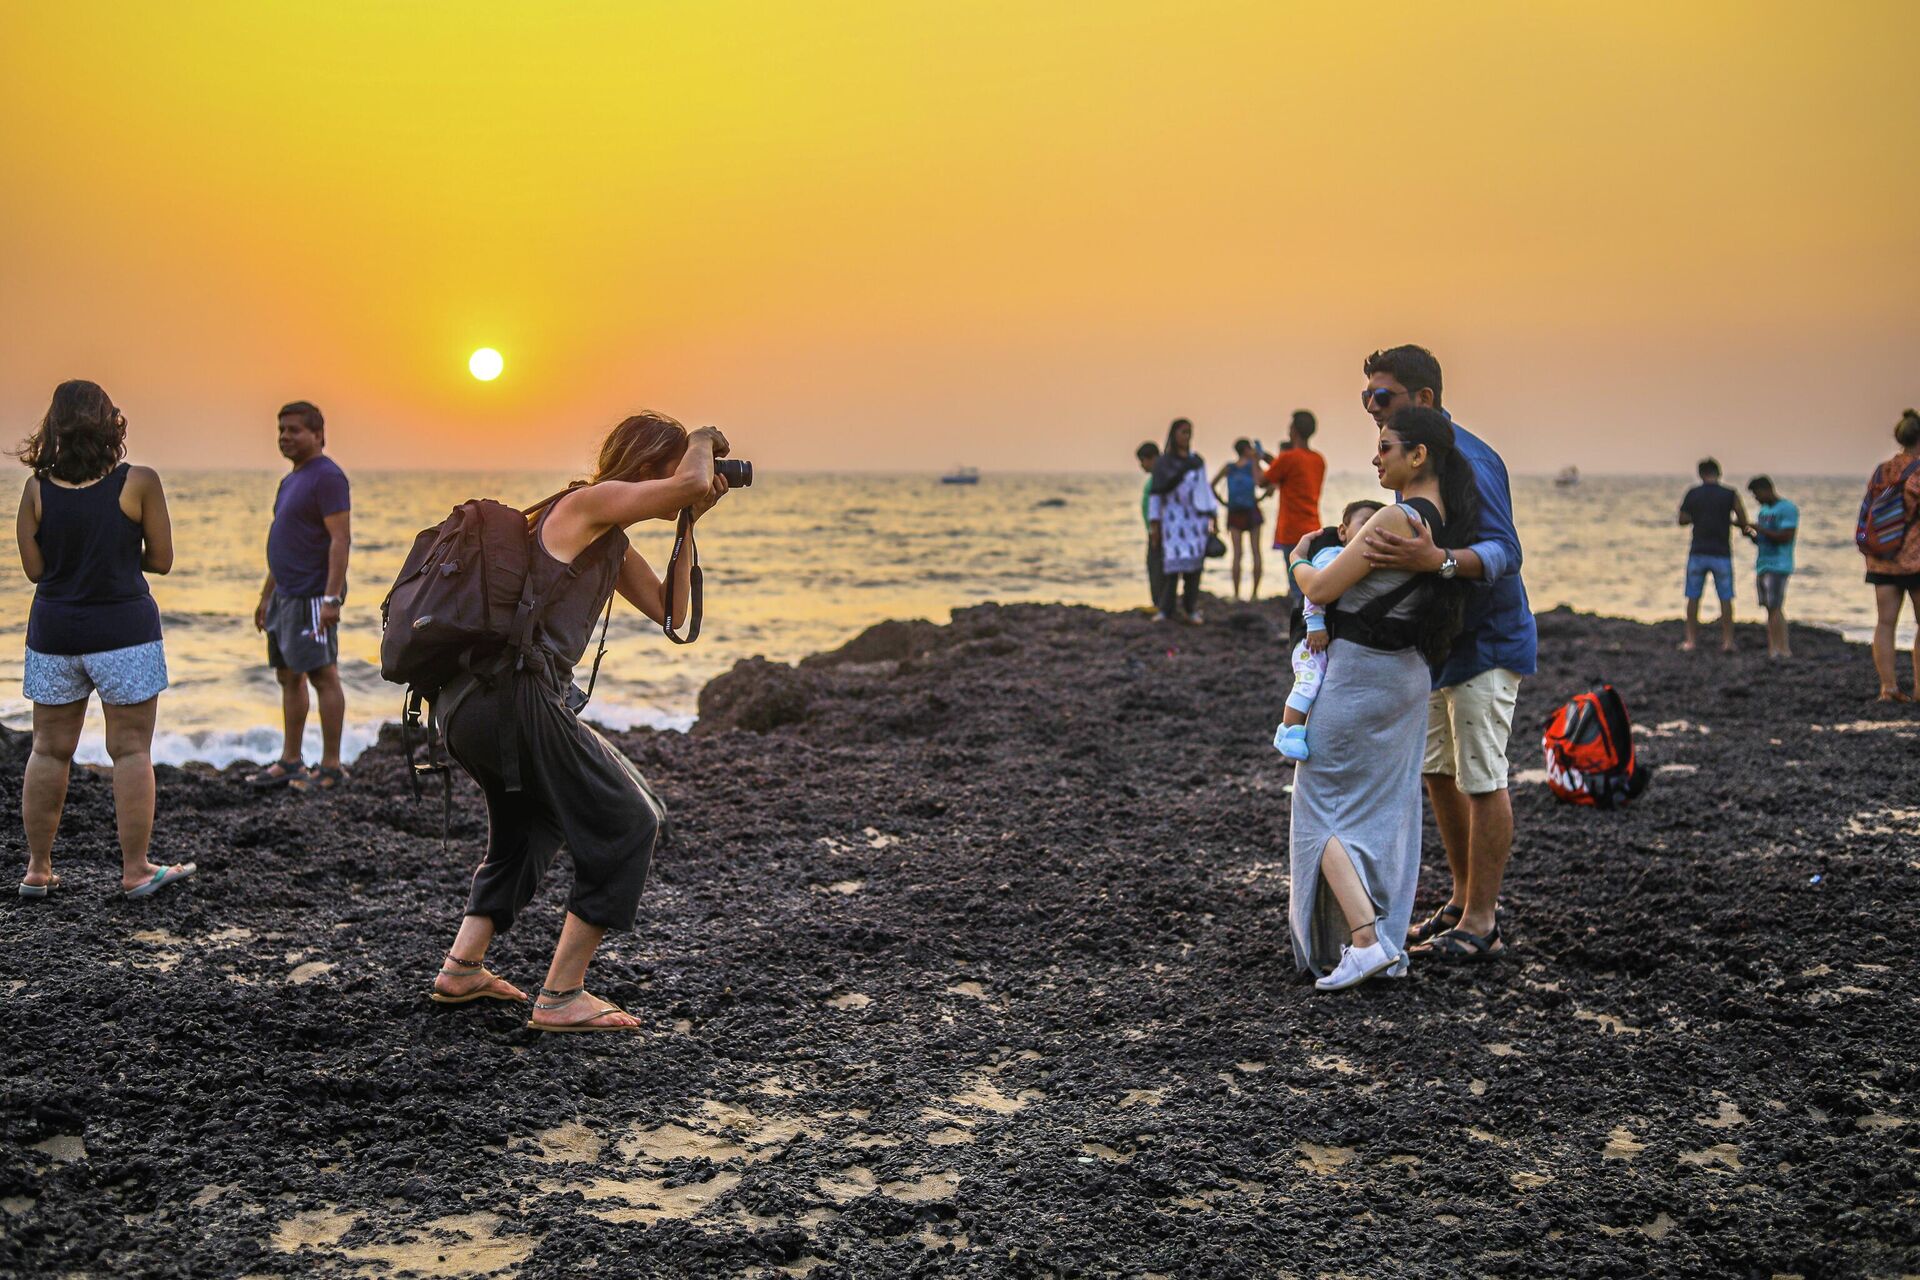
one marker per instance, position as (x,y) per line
(969,958)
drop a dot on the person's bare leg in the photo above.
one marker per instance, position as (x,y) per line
(1336,868)
(333,713)
(130,746)
(1726,626)
(1886,603)
(293,712)
(1238,550)
(1693,626)
(1253,544)
(43,791)
(1489,843)
(466,972)
(1777,634)
(1453,817)
(578,941)
(1916,640)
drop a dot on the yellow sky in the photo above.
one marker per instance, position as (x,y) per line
(898,234)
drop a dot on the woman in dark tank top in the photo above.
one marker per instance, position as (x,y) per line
(90,526)
(549,779)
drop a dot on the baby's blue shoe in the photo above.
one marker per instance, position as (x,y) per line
(1291,741)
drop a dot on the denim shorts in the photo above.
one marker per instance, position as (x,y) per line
(124,677)
(1773,589)
(1721,567)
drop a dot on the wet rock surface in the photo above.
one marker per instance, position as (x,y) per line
(980,967)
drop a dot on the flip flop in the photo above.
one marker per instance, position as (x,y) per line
(161,879)
(267,780)
(566,998)
(489,990)
(39,890)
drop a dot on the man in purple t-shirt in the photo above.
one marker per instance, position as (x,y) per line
(300,601)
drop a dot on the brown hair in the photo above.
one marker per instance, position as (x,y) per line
(641,448)
(1364,504)
(82,438)
(1906,433)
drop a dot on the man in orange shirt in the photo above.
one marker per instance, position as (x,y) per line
(1297,472)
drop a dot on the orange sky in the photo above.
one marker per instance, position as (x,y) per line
(901,235)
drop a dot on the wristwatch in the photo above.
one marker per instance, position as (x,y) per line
(343,599)
(1449,566)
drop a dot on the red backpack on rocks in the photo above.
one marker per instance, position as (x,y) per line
(1589,746)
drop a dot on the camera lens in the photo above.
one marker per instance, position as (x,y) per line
(739,474)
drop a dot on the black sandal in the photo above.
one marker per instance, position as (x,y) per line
(320,778)
(1435,925)
(267,780)
(1457,946)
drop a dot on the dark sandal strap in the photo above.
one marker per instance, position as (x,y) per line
(1458,942)
(1437,923)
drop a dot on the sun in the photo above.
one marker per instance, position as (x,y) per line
(485,364)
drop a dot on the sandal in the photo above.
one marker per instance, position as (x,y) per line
(551,1000)
(320,778)
(1457,945)
(488,990)
(161,879)
(1435,925)
(39,890)
(267,779)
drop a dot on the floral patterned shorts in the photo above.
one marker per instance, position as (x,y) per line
(123,676)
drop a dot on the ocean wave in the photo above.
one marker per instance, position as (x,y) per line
(222,747)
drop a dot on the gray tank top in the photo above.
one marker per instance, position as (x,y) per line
(1381,581)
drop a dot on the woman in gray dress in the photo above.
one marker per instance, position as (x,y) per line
(1356,801)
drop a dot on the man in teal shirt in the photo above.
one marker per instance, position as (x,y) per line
(1774,530)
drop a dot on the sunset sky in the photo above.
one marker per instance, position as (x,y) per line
(903,235)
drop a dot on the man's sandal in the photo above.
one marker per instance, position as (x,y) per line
(1436,924)
(319,778)
(551,1000)
(267,779)
(1457,946)
(488,990)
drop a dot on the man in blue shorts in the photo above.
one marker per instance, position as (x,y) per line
(1711,508)
(300,601)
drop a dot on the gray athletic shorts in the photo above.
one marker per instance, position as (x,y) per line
(295,639)
(124,677)
(1773,589)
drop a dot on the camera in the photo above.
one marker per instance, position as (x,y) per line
(739,475)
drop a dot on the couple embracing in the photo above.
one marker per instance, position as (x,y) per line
(1427,611)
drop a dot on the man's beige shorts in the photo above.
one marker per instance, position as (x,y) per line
(1467,730)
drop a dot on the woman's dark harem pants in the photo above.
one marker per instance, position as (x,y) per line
(577,790)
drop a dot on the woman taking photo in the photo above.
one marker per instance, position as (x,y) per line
(1896,578)
(574,788)
(1180,519)
(1355,848)
(89,525)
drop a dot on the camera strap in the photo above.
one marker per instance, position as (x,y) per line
(682,537)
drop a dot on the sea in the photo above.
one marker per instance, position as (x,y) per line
(799,563)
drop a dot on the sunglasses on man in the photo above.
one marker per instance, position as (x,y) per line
(1378,397)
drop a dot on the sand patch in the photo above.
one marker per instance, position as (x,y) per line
(1477,1087)
(847,1184)
(971,990)
(1253,1068)
(462,1244)
(1143,1097)
(14,1206)
(1322,1160)
(775,1087)
(927,1189)
(1333,1062)
(1528,1181)
(1677,769)
(1655,1230)
(64,1148)
(307,972)
(1503,1051)
(845,888)
(1528,777)
(169,949)
(1610,1024)
(865,1141)
(208,1194)
(316,1228)
(934,1241)
(1101,1151)
(1884,822)
(1674,729)
(649,1200)
(877,839)
(951,1136)
(1622,1145)
(1729,1116)
(1878,1122)
(983,1094)
(1721,1153)
(851,1000)
(569,1143)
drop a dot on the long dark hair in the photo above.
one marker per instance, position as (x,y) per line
(1444,613)
(82,438)
(1172,468)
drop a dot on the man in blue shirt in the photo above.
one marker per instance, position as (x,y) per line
(299,609)
(1470,715)
(1774,529)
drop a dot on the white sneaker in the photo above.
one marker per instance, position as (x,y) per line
(1357,964)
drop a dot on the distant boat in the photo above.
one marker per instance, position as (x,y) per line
(962,475)
(1568,477)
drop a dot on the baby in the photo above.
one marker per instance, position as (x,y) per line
(1310,655)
